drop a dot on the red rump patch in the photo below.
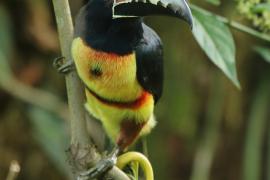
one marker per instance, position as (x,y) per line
(129,131)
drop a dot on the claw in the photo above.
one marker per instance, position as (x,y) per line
(101,167)
(63,67)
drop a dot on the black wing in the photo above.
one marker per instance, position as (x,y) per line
(149,58)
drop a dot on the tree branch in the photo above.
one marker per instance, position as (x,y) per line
(83,151)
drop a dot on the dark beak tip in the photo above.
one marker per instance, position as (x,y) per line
(190,21)
(187,18)
(191,25)
(186,15)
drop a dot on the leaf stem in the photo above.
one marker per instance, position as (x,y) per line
(234,24)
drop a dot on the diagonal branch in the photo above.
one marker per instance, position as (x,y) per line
(83,151)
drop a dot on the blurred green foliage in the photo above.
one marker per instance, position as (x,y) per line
(207,128)
(6,43)
(264,52)
(215,2)
(257,122)
(51,133)
(258,11)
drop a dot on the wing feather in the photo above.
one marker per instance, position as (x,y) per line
(149,58)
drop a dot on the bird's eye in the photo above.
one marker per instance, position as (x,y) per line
(96,71)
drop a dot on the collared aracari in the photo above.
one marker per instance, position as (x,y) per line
(120,61)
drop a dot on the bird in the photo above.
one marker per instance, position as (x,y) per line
(119,59)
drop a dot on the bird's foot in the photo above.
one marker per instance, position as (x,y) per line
(100,168)
(62,66)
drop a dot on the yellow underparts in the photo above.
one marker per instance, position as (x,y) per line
(117,82)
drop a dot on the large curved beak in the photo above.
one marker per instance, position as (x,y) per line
(136,8)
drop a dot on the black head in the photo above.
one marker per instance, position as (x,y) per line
(115,25)
(96,26)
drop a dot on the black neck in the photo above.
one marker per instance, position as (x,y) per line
(97,28)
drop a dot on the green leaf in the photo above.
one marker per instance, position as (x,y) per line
(264,52)
(215,2)
(216,40)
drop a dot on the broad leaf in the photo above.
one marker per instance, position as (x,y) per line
(217,42)
(215,2)
(264,52)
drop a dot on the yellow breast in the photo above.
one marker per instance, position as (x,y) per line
(109,75)
(113,92)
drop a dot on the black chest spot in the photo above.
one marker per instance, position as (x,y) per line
(96,71)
